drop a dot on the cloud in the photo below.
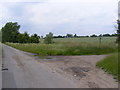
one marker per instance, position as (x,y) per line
(61,17)
(59,1)
(18,1)
(85,1)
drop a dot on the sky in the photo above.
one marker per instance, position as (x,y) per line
(81,17)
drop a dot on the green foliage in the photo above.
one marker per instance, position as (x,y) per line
(0,35)
(118,33)
(93,35)
(75,35)
(106,35)
(69,35)
(21,38)
(110,65)
(49,38)
(26,37)
(10,33)
(34,38)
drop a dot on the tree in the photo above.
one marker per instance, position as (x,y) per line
(35,38)
(75,35)
(93,35)
(10,32)
(106,35)
(100,35)
(0,35)
(59,36)
(26,37)
(49,38)
(118,33)
(14,37)
(69,35)
(113,35)
(21,38)
(41,36)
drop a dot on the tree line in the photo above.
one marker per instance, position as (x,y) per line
(77,36)
(10,33)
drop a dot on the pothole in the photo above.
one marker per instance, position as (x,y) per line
(78,71)
(4,69)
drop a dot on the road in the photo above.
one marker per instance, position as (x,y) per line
(0,66)
(25,72)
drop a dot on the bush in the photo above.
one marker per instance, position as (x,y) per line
(49,38)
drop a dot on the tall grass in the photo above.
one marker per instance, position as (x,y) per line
(69,46)
(94,40)
(110,65)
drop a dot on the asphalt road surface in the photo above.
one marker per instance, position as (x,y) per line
(0,78)
(22,71)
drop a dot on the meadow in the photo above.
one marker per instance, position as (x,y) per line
(71,46)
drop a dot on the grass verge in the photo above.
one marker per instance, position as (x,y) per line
(65,49)
(110,65)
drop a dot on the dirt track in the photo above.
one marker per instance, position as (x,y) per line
(81,70)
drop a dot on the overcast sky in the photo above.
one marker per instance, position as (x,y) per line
(81,17)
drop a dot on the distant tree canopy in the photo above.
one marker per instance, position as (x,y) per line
(69,35)
(106,35)
(77,36)
(10,33)
(93,35)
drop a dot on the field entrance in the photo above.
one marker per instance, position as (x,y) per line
(81,69)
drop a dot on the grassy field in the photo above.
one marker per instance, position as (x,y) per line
(110,65)
(84,40)
(71,46)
